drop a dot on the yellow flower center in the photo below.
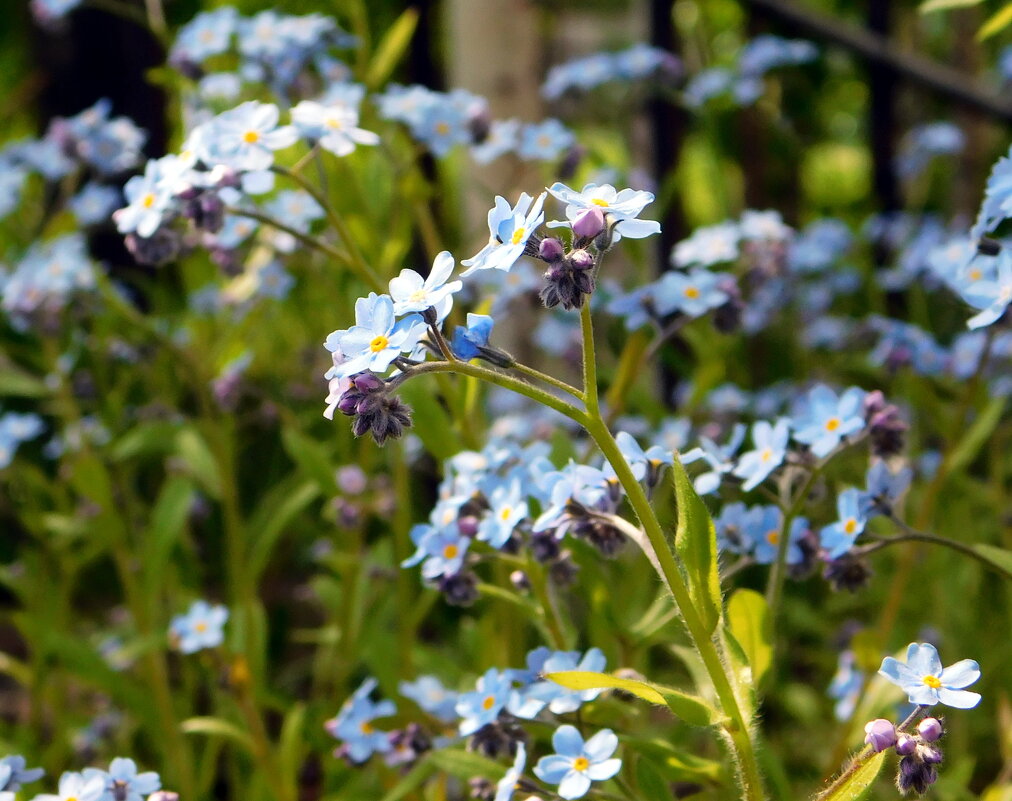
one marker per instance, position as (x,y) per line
(148,200)
(71,798)
(933,682)
(766,455)
(518,235)
(505,513)
(581,764)
(691,292)
(544,140)
(379,343)
(832,424)
(599,202)
(251,137)
(418,295)
(450,551)
(201,627)
(488,703)
(366,727)
(334,123)
(850,526)
(773,537)
(442,128)
(975,274)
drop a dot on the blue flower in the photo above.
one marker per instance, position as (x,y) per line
(692,294)
(13,773)
(926,682)
(544,141)
(826,419)
(764,529)
(508,784)
(576,764)
(207,34)
(509,230)
(993,296)
(123,782)
(246,137)
(883,488)
(95,203)
(770,450)
(274,281)
(839,537)
(444,550)
(713,244)
(624,206)
(846,685)
(430,694)
(148,202)
(442,125)
(201,627)
(295,208)
(482,706)
(76,787)
(412,293)
(502,138)
(334,127)
(507,507)
(732,527)
(529,700)
(639,460)
(719,458)
(377,338)
(997,205)
(467,342)
(353,724)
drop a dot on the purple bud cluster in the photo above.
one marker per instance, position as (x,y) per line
(920,755)
(375,409)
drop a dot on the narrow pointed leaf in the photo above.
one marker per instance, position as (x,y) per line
(749,621)
(856,785)
(696,543)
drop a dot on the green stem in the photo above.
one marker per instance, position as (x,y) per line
(356,260)
(305,239)
(539,585)
(912,535)
(537,375)
(778,573)
(589,362)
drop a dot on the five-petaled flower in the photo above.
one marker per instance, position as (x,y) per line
(575,763)
(927,683)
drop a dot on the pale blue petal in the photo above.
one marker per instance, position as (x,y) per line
(960,675)
(551,769)
(959,699)
(574,785)
(601,771)
(567,741)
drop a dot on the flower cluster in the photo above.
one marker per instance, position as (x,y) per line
(491,716)
(636,63)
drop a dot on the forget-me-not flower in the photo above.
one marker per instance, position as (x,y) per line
(430,694)
(334,127)
(926,682)
(201,627)
(467,341)
(770,450)
(575,763)
(377,338)
(509,783)
(624,206)
(507,507)
(993,296)
(826,418)
(720,459)
(837,538)
(353,724)
(509,230)
(123,782)
(75,787)
(692,294)
(482,706)
(412,293)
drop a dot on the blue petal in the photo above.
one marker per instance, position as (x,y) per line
(567,741)
(552,769)
(574,785)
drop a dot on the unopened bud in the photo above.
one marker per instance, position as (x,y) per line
(550,249)
(581,259)
(880,734)
(589,223)
(930,729)
(906,745)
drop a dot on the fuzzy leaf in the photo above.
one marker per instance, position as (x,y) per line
(856,786)
(749,621)
(929,6)
(466,764)
(696,543)
(691,709)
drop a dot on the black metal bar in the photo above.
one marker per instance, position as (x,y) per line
(945,81)
(882,122)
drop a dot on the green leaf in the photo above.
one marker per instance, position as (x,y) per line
(999,558)
(14,382)
(199,460)
(466,764)
(978,433)
(217,727)
(277,510)
(157,437)
(997,23)
(414,779)
(929,6)
(310,456)
(857,784)
(292,745)
(690,708)
(650,783)
(749,620)
(168,519)
(392,48)
(696,543)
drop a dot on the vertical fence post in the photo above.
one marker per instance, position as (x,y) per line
(882,122)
